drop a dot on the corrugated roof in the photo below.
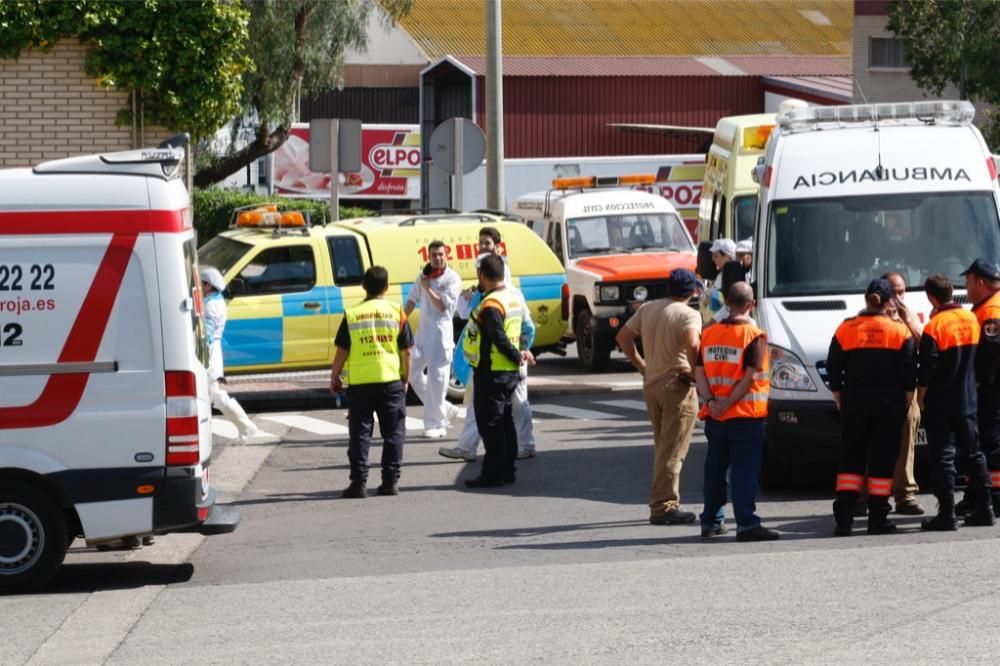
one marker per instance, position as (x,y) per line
(637,27)
(663,66)
(835,87)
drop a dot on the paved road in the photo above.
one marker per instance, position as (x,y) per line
(561,567)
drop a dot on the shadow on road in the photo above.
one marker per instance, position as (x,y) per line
(106,576)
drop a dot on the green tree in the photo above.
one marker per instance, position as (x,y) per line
(183,59)
(297,47)
(951,42)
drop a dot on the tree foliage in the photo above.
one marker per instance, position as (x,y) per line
(184,59)
(297,47)
(951,42)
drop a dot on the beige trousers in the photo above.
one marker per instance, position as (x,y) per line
(904,484)
(673,410)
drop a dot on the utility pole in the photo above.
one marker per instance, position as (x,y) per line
(494,107)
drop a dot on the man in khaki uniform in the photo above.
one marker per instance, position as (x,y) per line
(671,334)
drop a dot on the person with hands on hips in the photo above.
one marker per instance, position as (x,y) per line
(436,290)
(373,343)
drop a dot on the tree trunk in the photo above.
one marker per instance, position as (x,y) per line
(263,144)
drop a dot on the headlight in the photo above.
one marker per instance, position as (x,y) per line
(640,293)
(788,373)
(606,293)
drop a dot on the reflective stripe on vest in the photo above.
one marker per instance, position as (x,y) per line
(722,350)
(509,305)
(955,327)
(872,332)
(374,327)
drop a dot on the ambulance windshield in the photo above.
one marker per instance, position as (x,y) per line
(837,245)
(222,253)
(616,234)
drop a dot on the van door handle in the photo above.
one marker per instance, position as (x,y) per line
(312,305)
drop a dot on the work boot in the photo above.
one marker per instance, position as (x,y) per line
(388,488)
(357,490)
(996,505)
(844,508)
(980,518)
(963,506)
(878,520)
(945,520)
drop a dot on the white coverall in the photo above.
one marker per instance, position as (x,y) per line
(434,344)
(468,441)
(215,324)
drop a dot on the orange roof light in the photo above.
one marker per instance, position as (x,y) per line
(268,216)
(638,179)
(756,137)
(603,181)
(572,183)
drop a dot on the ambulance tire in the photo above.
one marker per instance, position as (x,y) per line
(593,351)
(775,474)
(456,389)
(33,538)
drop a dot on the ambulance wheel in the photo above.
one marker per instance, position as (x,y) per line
(775,474)
(456,389)
(33,538)
(592,350)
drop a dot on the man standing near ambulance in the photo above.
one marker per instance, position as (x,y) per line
(436,290)
(374,341)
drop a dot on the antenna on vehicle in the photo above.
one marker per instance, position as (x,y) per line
(879,169)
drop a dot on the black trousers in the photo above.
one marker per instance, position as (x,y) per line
(388,401)
(871,423)
(954,438)
(491,397)
(988,397)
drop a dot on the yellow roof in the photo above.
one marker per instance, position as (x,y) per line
(637,27)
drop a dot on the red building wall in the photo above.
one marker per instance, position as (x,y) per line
(569,116)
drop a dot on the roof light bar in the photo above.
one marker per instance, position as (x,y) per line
(945,112)
(603,181)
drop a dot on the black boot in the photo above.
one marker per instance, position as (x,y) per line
(945,520)
(843,512)
(963,506)
(878,516)
(357,490)
(996,505)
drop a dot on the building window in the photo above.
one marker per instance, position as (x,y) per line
(886,53)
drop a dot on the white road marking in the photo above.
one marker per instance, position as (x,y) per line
(638,405)
(224,428)
(574,412)
(307,423)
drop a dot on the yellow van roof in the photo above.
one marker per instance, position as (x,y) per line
(730,132)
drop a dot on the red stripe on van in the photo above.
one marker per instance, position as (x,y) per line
(19,223)
(62,393)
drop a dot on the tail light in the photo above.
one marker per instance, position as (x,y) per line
(183,445)
(564,304)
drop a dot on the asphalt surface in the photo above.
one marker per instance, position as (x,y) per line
(561,567)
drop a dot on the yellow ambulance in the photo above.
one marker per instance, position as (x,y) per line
(289,282)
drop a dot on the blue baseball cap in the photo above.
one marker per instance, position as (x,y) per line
(681,282)
(983,269)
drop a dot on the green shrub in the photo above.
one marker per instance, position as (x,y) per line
(213,209)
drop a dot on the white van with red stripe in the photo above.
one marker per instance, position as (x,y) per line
(105,420)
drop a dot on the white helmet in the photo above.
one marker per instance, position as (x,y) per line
(211,275)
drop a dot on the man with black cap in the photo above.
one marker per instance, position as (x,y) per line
(671,335)
(982,283)
(872,371)
(947,397)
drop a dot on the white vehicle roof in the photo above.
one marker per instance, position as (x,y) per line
(569,204)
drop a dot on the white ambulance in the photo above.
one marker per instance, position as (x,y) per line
(105,421)
(618,246)
(848,194)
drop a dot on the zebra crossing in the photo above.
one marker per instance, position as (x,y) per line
(336,424)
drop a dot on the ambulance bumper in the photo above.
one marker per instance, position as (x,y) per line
(177,507)
(803,431)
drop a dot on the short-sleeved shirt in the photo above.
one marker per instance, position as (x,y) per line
(663,326)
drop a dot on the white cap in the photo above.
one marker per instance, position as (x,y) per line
(744,246)
(211,275)
(725,246)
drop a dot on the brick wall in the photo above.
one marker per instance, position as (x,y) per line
(50,108)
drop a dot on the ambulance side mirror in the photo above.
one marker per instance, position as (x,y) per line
(706,267)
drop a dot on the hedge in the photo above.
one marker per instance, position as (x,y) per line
(213,209)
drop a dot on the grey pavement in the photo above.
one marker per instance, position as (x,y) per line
(561,567)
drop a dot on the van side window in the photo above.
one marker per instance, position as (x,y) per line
(554,240)
(277,270)
(714,227)
(346,256)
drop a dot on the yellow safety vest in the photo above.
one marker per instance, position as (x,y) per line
(509,305)
(374,327)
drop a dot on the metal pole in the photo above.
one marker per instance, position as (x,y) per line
(459,164)
(494,108)
(334,170)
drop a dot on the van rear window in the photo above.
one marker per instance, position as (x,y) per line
(194,289)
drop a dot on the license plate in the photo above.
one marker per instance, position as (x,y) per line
(921,437)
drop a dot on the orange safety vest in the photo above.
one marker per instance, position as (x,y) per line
(722,349)
(988,309)
(878,332)
(956,327)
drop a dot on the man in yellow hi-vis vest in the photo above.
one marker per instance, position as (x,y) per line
(495,360)
(374,342)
